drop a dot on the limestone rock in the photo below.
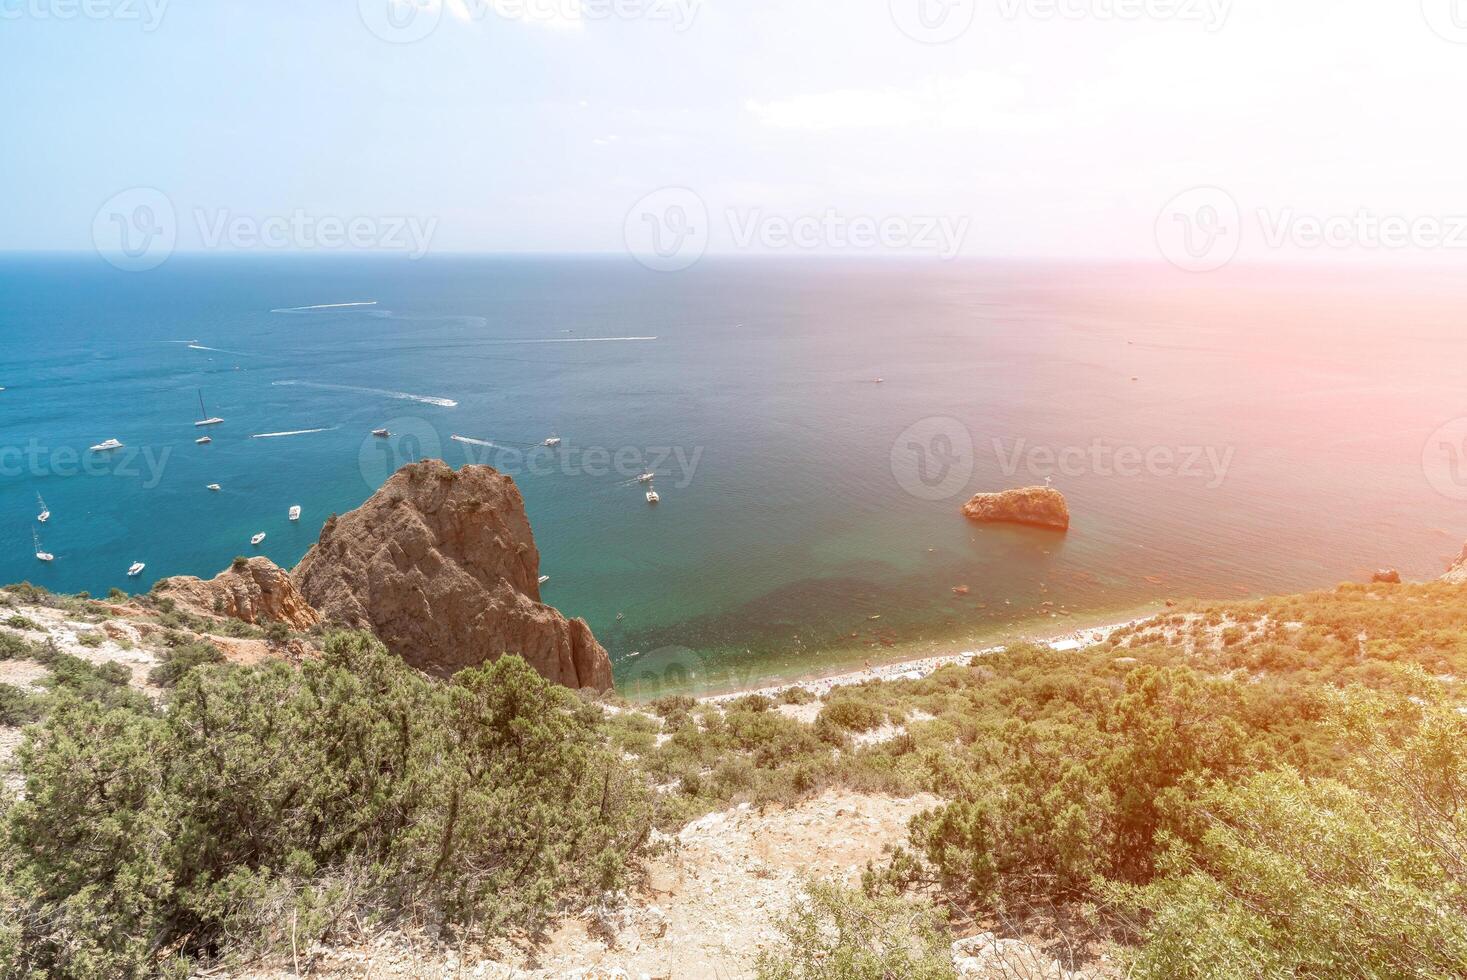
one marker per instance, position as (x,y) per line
(255,590)
(1035,506)
(442,566)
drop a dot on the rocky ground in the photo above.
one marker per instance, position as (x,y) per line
(706,908)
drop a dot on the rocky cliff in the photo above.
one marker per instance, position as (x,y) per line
(1458,574)
(441,565)
(255,590)
(1037,506)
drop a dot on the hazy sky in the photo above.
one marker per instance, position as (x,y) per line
(1042,127)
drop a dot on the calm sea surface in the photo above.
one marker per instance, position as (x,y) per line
(1217,436)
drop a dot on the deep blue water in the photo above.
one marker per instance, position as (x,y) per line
(787,536)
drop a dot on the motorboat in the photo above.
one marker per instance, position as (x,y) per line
(214,487)
(106,445)
(653,497)
(295,512)
(381,433)
(646,477)
(552,442)
(135,569)
(258,538)
(203,440)
(544,579)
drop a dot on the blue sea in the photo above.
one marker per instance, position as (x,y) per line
(814,426)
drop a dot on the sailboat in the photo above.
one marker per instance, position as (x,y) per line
(295,512)
(45,514)
(204,417)
(41,554)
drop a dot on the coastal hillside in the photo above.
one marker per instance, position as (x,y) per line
(1268,788)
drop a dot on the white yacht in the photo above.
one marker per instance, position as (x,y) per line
(552,442)
(106,445)
(204,417)
(544,579)
(45,514)
(295,512)
(258,538)
(135,569)
(646,477)
(41,554)
(653,497)
(203,440)
(381,433)
(214,487)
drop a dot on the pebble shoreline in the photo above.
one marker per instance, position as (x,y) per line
(913,670)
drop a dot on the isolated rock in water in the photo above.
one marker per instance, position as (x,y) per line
(442,567)
(1387,575)
(1037,506)
(255,590)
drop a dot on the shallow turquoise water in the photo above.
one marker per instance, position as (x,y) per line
(786,529)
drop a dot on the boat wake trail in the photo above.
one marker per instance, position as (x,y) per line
(323,306)
(399,395)
(576,340)
(296,432)
(488,444)
(195,345)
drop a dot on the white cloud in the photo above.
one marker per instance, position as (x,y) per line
(977,100)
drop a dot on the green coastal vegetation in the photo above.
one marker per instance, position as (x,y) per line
(1275,788)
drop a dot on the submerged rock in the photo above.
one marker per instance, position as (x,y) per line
(1035,506)
(254,590)
(442,566)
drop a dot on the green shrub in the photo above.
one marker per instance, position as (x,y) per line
(90,640)
(836,933)
(796,695)
(853,715)
(487,802)
(19,622)
(17,706)
(177,661)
